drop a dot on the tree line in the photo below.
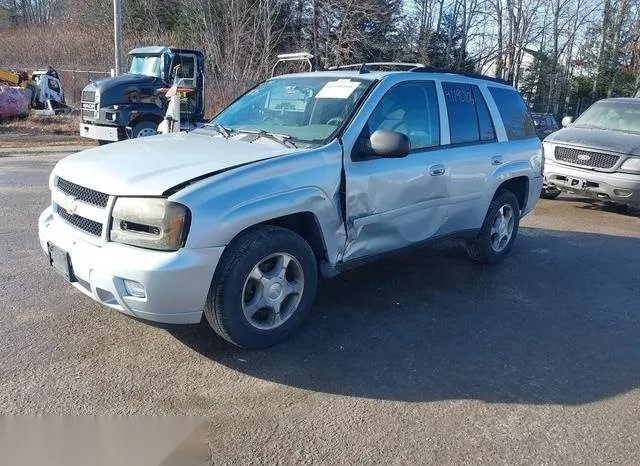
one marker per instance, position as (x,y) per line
(561,54)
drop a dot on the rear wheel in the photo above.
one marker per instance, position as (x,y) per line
(263,287)
(498,231)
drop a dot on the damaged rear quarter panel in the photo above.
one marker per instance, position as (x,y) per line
(303,181)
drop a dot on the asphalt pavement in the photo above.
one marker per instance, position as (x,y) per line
(422,358)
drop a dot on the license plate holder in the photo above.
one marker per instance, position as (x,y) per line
(61,262)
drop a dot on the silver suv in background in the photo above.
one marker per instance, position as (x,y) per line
(598,155)
(303,176)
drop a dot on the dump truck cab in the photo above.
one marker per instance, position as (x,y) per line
(137,99)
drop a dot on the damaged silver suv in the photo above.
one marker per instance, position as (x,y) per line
(303,176)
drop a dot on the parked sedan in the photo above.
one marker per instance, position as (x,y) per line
(598,155)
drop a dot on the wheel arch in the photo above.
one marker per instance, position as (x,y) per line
(307,226)
(519,186)
(156,119)
(308,212)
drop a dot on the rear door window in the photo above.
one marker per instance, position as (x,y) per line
(514,113)
(469,118)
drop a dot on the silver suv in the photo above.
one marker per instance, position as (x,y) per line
(303,176)
(598,155)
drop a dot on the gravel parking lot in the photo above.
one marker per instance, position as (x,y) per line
(422,358)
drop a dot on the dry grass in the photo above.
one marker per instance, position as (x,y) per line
(39,131)
(59,124)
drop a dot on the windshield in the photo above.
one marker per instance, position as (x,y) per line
(149,65)
(611,115)
(307,109)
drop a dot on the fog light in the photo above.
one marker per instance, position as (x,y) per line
(135,289)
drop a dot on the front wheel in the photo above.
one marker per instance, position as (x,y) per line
(498,231)
(144,129)
(263,287)
(549,192)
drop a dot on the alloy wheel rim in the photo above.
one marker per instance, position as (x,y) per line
(272,291)
(502,228)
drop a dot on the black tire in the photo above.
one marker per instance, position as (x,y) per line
(547,193)
(480,248)
(102,142)
(140,129)
(224,305)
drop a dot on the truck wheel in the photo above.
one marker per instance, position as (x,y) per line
(144,129)
(102,142)
(263,287)
(549,192)
(498,231)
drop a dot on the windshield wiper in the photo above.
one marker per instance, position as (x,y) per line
(226,133)
(283,139)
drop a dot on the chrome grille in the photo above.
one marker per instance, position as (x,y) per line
(88,114)
(586,158)
(84,194)
(81,223)
(88,96)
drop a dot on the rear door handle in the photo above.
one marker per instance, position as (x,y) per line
(497,160)
(437,170)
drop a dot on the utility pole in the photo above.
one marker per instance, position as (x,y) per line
(316,58)
(117,35)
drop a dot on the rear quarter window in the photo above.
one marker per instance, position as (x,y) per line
(514,113)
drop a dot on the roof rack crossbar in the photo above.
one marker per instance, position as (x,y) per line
(431,69)
(284,57)
(411,66)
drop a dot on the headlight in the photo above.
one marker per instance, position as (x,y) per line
(153,223)
(631,165)
(548,150)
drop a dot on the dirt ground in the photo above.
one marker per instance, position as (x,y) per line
(424,358)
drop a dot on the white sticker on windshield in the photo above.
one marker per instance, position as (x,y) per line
(340,89)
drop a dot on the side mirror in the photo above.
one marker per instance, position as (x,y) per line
(389,144)
(567,121)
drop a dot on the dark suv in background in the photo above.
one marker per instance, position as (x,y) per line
(545,124)
(598,155)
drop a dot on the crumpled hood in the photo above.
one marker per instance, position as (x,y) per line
(609,141)
(152,165)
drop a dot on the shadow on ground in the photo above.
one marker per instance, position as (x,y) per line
(588,203)
(557,323)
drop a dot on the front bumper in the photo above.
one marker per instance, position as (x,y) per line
(176,283)
(616,187)
(104,133)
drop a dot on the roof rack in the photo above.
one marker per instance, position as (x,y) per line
(431,69)
(301,56)
(364,67)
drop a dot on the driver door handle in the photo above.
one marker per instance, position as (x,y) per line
(437,170)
